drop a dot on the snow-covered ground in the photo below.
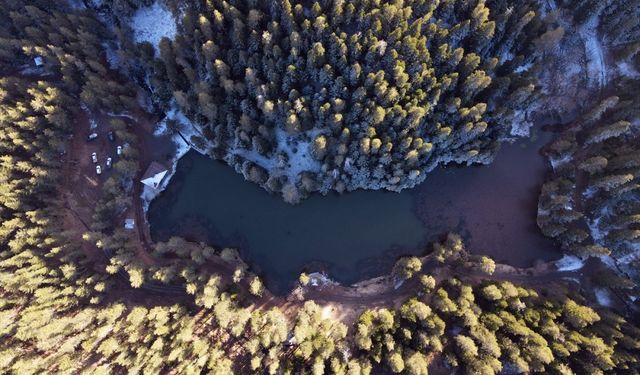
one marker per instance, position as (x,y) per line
(603,296)
(124,114)
(627,70)
(594,226)
(187,129)
(520,127)
(596,65)
(320,279)
(569,263)
(112,56)
(298,150)
(151,24)
(609,262)
(555,163)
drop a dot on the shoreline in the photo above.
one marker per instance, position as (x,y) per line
(182,147)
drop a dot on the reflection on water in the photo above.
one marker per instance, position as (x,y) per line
(359,234)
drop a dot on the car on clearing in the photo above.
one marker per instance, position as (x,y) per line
(111,136)
(94,157)
(119,150)
(98,170)
(92,136)
(109,163)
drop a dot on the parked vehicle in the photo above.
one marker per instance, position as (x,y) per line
(119,150)
(109,162)
(94,157)
(98,170)
(92,136)
(111,136)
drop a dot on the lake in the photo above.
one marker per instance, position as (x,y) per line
(359,234)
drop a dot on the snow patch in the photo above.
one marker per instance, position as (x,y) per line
(628,70)
(633,255)
(255,157)
(188,129)
(320,279)
(297,148)
(151,24)
(603,296)
(598,234)
(555,163)
(608,261)
(577,281)
(596,66)
(569,263)
(112,56)
(520,127)
(523,68)
(126,115)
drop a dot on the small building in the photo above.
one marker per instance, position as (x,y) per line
(129,224)
(39,61)
(154,175)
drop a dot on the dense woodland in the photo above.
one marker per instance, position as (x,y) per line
(375,93)
(61,311)
(591,202)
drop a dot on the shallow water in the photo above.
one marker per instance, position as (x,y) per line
(359,234)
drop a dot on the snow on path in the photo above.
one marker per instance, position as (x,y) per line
(596,65)
(588,32)
(151,24)
(569,263)
(603,296)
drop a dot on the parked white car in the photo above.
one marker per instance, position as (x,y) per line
(92,136)
(119,150)
(94,157)
(109,163)
(98,170)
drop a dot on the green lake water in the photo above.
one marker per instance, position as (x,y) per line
(359,234)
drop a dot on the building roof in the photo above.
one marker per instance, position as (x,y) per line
(154,174)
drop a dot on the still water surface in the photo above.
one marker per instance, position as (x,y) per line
(359,234)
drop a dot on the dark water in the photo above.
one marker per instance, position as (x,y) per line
(359,234)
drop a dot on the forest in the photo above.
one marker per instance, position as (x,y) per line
(348,95)
(381,92)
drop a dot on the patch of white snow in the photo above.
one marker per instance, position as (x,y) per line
(603,296)
(523,68)
(298,151)
(126,115)
(112,56)
(596,66)
(569,263)
(520,127)
(555,163)
(151,24)
(628,70)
